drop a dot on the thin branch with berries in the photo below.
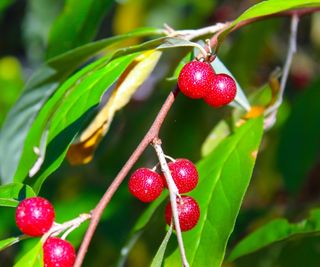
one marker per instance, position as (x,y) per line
(153,132)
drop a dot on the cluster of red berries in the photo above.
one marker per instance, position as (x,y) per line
(198,79)
(34,217)
(147,185)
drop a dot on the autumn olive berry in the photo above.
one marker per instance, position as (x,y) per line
(34,216)
(188,213)
(184,175)
(146,184)
(195,79)
(222,91)
(58,253)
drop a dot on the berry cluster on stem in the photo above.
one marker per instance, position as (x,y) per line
(198,79)
(35,217)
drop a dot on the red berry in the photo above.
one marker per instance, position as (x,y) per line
(184,175)
(195,79)
(188,213)
(58,253)
(222,91)
(34,216)
(146,184)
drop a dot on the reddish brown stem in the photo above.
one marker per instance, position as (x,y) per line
(147,139)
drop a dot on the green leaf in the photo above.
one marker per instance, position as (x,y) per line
(8,242)
(61,117)
(11,194)
(158,258)
(274,6)
(302,124)
(77,24)
(276,231)
(218,134)
(137,72)
(270,7)
(240,99)
(39,88)
(33,258)
(224,178)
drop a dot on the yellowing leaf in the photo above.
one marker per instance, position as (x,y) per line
(136,73)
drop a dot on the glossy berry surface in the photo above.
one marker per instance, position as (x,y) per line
(34,216)
(223,90)
(146,184)
(188,213)
(58,253)
(195,79)
(184,175)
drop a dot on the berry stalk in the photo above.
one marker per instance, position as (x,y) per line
(173,193)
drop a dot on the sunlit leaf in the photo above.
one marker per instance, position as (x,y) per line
(136,73)
(276,231)
(64,120)
(218,133)
(33,258)
(266,8)
(11,194)
(224,178)
(8,242)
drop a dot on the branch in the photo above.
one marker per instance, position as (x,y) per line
(174,193)
(147,139)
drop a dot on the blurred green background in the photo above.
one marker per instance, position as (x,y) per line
(286,181)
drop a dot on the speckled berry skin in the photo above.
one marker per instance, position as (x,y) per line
(195,79)
(58,253)
(222,91)
(34,216)
(188,213)
(146,184)
(184,175)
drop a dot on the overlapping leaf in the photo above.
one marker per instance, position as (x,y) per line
(276,231)
(8,242)
(11,194)
(62,117)
(33,258)
(136,73)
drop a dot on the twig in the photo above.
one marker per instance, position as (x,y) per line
(57,228)
(271,112)
(147,139)
(173,193)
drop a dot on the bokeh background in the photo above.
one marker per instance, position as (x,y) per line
(286,180)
